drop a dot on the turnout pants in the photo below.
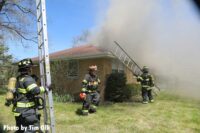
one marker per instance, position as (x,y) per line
(147,94)
(28,122)
(91,102)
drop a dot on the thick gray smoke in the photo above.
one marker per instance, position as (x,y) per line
(162,34)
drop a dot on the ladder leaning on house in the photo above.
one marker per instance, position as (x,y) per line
(44,64)
(123,57)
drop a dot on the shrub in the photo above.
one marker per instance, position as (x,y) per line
(116,89)
(135,89)
(3,90)
(63,98)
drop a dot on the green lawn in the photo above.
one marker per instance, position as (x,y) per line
(169,114)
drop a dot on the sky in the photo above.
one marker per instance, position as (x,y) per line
(66,19)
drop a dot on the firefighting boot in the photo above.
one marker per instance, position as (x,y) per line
(85,112)
(151,100)
(92,109)
(145,102)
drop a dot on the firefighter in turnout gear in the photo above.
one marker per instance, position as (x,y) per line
(89,92)
(26,99)
(147,83)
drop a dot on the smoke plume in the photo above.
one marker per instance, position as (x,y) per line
(161,34)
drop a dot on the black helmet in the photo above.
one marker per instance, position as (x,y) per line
(145,69)
(25,63)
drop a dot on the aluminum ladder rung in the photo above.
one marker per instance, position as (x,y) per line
(44,62)
(116,50)
(40,30)
(128,61)
(38,4)
(120,55)
(42,75)
(125,58)
(39,18)
(40,45)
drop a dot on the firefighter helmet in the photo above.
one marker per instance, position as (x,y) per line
(25,63)
(93,67)
(145,69)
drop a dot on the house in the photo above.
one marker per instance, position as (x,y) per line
(68,67)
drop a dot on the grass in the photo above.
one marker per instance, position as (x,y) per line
(169,114)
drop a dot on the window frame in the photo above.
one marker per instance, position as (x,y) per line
(70,67)
(117,66)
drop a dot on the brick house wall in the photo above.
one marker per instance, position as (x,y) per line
(72,85)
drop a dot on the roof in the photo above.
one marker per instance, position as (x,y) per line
(81,52)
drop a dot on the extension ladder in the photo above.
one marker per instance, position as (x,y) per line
(123,57)
(45,74)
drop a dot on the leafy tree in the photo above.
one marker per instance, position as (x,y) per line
(6,68)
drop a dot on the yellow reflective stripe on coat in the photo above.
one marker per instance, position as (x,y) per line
(140,78)
(30,87)
(22,79)
(85,111)
(93,106)
(25,105)
(83,89)
(16,114)
(84,81)
(95,83)
(22,90)
(145,86)
(42,89)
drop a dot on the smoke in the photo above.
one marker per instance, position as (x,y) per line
(162,34)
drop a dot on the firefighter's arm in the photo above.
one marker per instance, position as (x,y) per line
(32,87)
(99,81)
(139,79)
(84,86)
(152,81)
(84,90)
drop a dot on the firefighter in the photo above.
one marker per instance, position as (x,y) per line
(25,99)
(89,92)
(147,83)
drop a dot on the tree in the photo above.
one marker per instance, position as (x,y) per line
(115,87)
(6,68)
(17,18)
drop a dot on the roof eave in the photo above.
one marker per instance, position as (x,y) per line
(90,56)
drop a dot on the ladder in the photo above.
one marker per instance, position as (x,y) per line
(45,74)
(123,57)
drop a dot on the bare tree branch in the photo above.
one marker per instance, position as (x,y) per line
(2,3)
(19,33)
(6,16)
(16,19)
(22,9)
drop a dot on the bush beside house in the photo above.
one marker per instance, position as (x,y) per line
(117,90)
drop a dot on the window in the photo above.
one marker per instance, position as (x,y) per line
(114,66)
(117,66)
(73,69)
(121,67)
